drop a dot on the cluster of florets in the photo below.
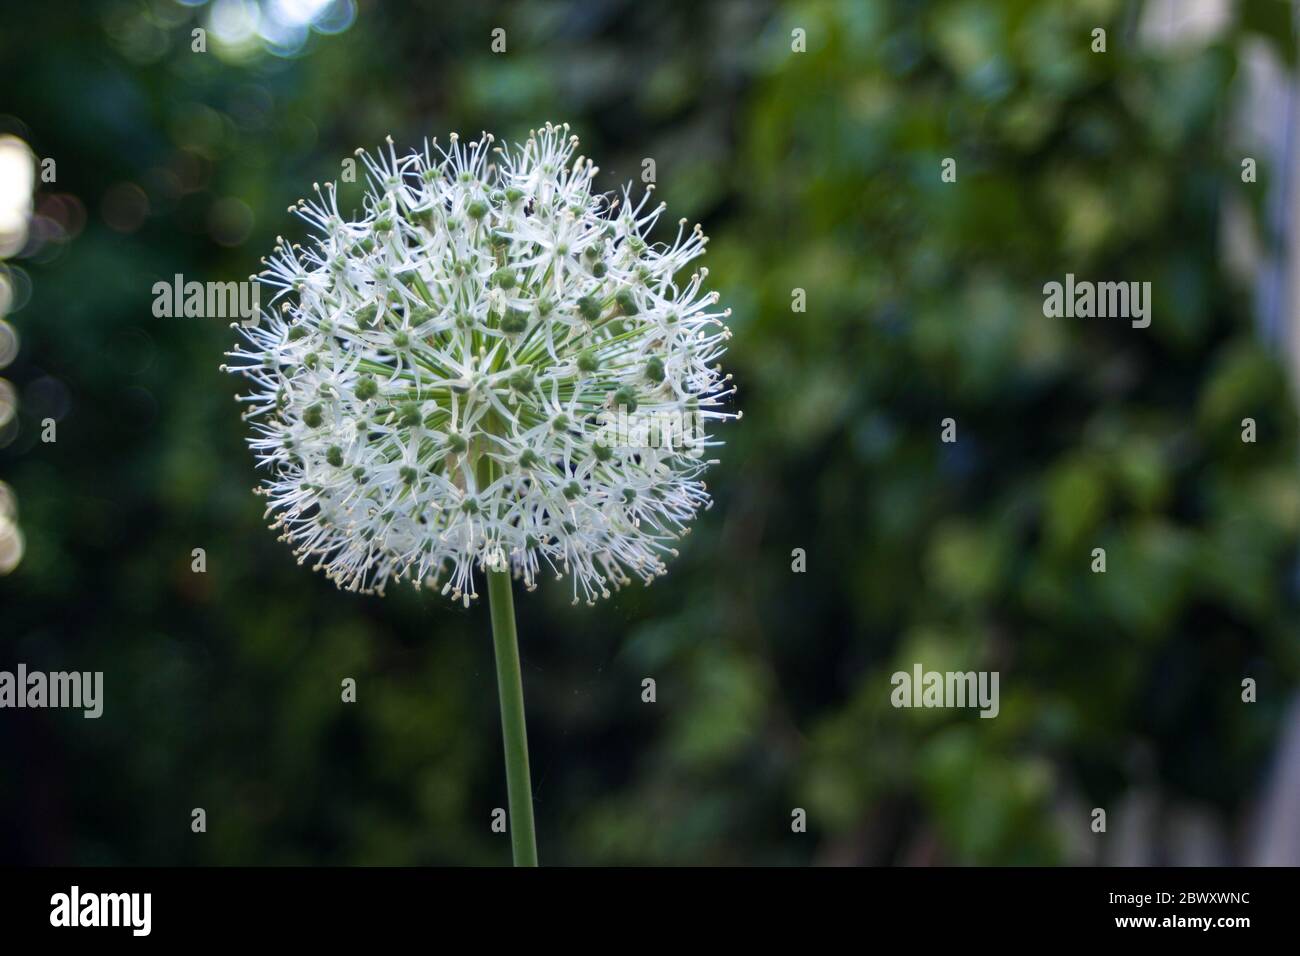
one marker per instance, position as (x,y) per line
(435,383)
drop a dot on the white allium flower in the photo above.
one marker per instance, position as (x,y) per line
(435,390)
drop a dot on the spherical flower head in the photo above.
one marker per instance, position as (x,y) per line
(494,366)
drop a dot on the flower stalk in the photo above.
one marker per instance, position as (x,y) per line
(510,691)
(510,688)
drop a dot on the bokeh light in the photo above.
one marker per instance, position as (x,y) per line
(125,207)
(241,28)
(230,221)
(17,178)
(8,343)
(8,402)
(15,288)
(17,183)
(11,537)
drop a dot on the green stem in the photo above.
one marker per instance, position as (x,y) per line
(510,687)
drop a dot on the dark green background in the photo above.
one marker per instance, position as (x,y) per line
(817,170)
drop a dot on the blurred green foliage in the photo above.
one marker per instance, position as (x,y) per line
(816,170)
